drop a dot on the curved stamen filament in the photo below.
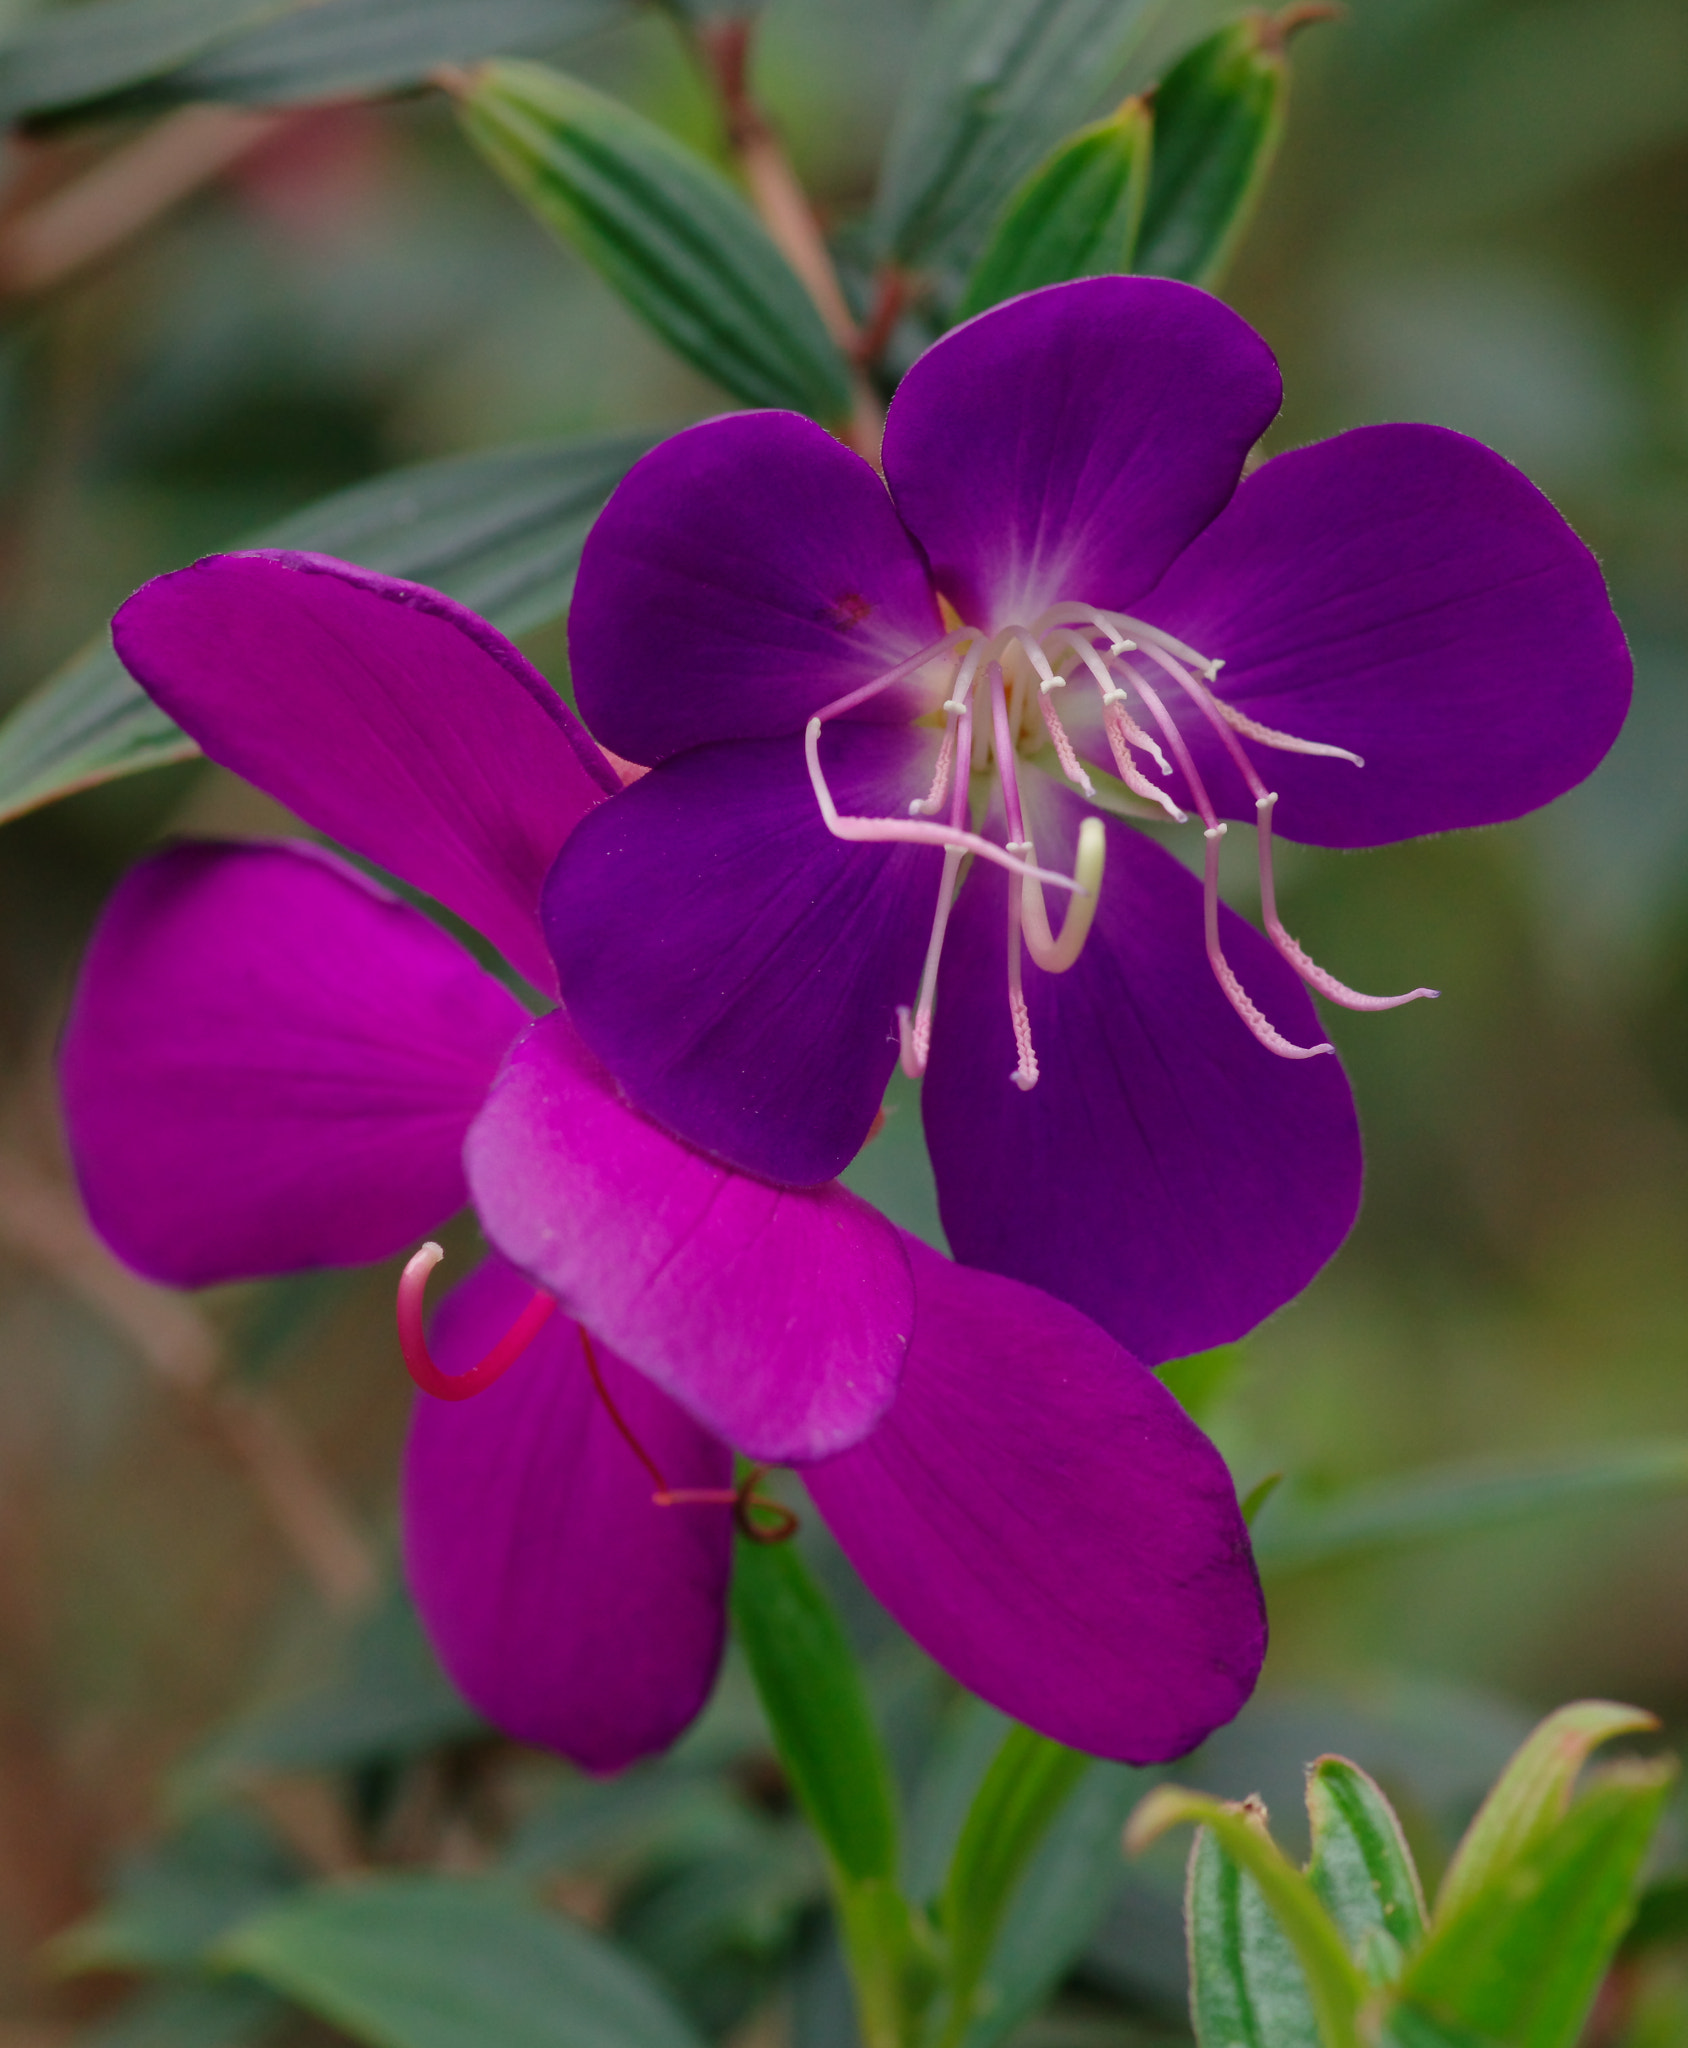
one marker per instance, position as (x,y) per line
(1056,955)
(1024,1075)
(413,1342)
(914,1031)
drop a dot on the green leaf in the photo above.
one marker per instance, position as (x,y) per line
(996,85)
(1245,1983)
(439,1962)
(1661,1917)
(1521,1958)
(812,1693)
(193,2012)
(1531,1796)
(1026,1786)
(122,55)
(666,229)
(1199,1382)
(1334,1986)
(1361,1867)
(1218,114)
(1297,1536)
(500,532)
(1075,216)
(171,1904)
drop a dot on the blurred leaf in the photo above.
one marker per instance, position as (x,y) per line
(1661,1918)
(996,85)
(500,532)
(812,1693)
(196,2012)
(171,1904)
(1520,1960)
(665,228)
(1218,114)
(439,1962)
(114,55)
(1258,1495)
(1027,1784)
(1075,216)
(1531,1796)
(1199,1382)
(1245,1983)
(1296,1535)
(1361,1866)
(641,1817)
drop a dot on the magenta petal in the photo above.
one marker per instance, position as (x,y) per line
(736,967)
(271,1064)
(1040,1514)
(744,574)
(1168,1175)
(384,715)
(1405,593)
(570,1609)
(1064,447)
(779,1319)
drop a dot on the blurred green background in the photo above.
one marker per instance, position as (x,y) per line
(1479,218)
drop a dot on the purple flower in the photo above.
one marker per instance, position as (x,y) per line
(1065,589)
(271,1063)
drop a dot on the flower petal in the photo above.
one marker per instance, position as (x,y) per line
(271,1064)
(1168,1175)
(1405,593)
(735,966)
(779,1319)
(1065,446)
(384,715)
(744,574)
(570,1609)
(1040,1514)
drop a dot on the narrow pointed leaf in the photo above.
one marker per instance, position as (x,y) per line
(1522,1958)
(438,1962)
(501,532)
(1531,1796)
(996,85)
(665,229)
(1026,1786)
(1335,1987)
(1218,115)
(812,1693)
(1075,216)
(1361,1867)
(1245,1982)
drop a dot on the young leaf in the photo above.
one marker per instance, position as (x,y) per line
(1531,1796)
(1522,1957)
(500,532)
(1025,1787)
(1335,1987)
(665,229)
(439,1962)
(812,1693)
(1245,1983)
(1218,115)
(1075,216)
(996,84)
(1361,1866)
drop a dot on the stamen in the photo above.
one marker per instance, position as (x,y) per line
(741,1498)
(1024,1075)
(1054,955)
(915,1033)
(913,831)
(840,705)
(1002,733)
(1285,742)
(413,1342)
(933,800)
(1064,749)
(1122,732)
(1241,1001)
(1309,969)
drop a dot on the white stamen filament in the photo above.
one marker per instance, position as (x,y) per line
(915,1033)
(1285,742)
(1056,955)
(1024,1075)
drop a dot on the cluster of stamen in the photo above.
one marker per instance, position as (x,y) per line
(1003,700)
(745,1499)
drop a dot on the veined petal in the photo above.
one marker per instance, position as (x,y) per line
(384,715)
(1040,1514)
(745,574)
(1065,446)
(1405,593)
(271,1064)
(777,1318)
(570,1609)
(735,966)
(1168,1175)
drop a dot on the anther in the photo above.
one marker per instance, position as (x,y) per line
(413,1342)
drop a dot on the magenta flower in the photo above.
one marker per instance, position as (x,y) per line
(273,1064)
(1064,598)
